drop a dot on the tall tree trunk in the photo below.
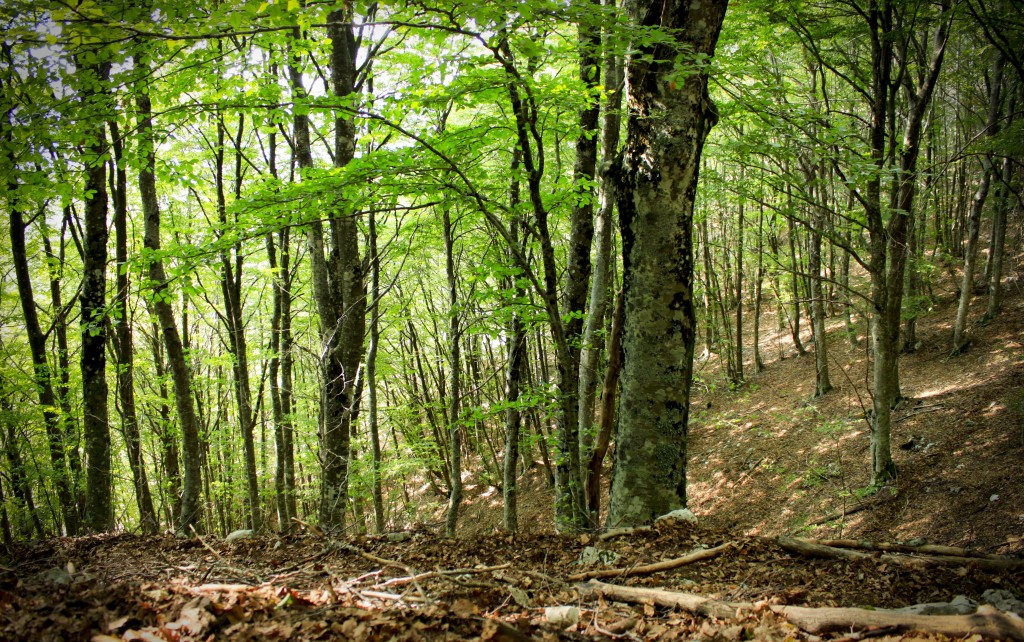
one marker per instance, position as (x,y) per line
(371,377)
(822,381)
(191,512)
(888,240)
(124,351)
(607,417)
(995,286)
(669,120)
(99,515)
(231,289)
(514,373)
(977,207)
(759,291)
(42,374)
(455,380)
(738,360)
(794,273)
(599,287)
(338,289)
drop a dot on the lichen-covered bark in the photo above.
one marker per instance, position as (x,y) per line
(670,115)
(338,290)
(99,514)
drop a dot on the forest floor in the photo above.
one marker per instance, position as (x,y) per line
(767,461)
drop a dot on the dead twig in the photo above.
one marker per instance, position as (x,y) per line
(657,567)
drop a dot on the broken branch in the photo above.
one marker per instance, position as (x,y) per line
(657,567)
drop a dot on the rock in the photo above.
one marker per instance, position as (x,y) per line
(562,616)
(592,556)
(1004,601)
(679,515)
(960,605)
(234,536)
(399,537)
(55,575)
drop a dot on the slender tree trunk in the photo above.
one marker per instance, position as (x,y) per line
(191,512)
(124,351)
(41,370)
(231,289)
(19,481)
(977,207)
(656,193)
(607,417)
(795,283)
(599,287)
(513,375)
(822,381)
(995,286)
(738,366)
(371,378)
(455,380)
(759,291)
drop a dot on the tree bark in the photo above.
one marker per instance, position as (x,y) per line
(669,120)
(338,289)
(599,287)
(99,516)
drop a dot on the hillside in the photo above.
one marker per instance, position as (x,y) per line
(768,459)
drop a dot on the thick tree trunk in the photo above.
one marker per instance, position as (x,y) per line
(669,120)
(338,289)
(99,516)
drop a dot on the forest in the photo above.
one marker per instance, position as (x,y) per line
(333,271)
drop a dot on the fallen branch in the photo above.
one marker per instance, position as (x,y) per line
(657,567)
(810,549)
(926,549)
(988,621)
(689,602)
(429,574)
(620,532)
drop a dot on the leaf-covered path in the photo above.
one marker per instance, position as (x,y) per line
(418,586)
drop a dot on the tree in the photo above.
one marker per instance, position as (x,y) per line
(669,116)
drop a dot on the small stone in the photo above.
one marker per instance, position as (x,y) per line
(679,515)
(592,556)
(55,575)
(562,616)
(993,498)
(234,536)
